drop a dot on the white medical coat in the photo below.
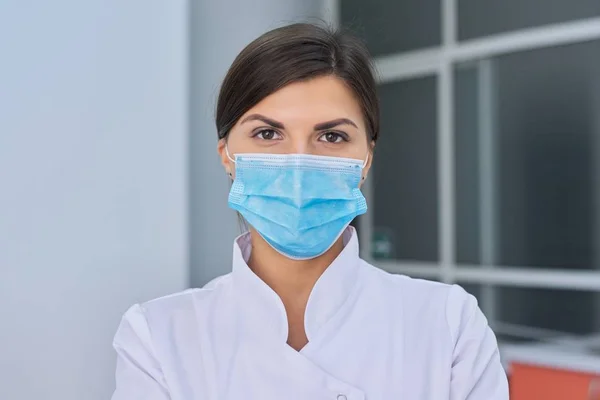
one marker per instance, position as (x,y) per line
(372,335)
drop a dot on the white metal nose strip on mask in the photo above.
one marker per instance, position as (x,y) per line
(233,161)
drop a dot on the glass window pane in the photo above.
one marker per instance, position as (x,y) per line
(467,211)
(527,148)
(394,26)
(404,176)
(486,17)
(534,314)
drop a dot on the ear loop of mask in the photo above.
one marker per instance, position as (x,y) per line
(366,161)
(230,159)
(364,165)
(227,152)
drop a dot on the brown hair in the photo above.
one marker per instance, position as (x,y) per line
(295,53)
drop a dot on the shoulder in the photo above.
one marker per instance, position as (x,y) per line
(156,314)
(188,299)
(444,323)
(449,305)
(402,286)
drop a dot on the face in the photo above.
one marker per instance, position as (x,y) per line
(320,116)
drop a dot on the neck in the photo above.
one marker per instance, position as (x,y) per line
(292,280)
(287,277)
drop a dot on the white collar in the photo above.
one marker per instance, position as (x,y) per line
(261,308)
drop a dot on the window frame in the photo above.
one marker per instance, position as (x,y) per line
(440,62)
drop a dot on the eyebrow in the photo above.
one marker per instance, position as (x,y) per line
(258,117)
(333,123)
(318,127)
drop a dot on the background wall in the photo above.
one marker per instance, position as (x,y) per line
(93,183)
(106,136)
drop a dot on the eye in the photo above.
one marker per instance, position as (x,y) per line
(267,134)
(333,137)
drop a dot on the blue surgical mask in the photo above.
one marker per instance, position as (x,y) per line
(299,203)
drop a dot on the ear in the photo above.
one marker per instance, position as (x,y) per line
(225,161)
(367,167)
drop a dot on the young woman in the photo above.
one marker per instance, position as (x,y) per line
(302,317)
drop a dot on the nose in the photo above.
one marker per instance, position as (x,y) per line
(302,145)
(298,146)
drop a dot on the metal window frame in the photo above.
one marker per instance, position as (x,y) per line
(440,62)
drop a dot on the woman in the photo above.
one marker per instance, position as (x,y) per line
(302,316)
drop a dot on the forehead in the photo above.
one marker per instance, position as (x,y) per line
(316,100)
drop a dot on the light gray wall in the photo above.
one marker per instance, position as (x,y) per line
(219,30)
(93,183)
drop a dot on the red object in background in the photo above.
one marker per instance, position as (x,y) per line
(532,382)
